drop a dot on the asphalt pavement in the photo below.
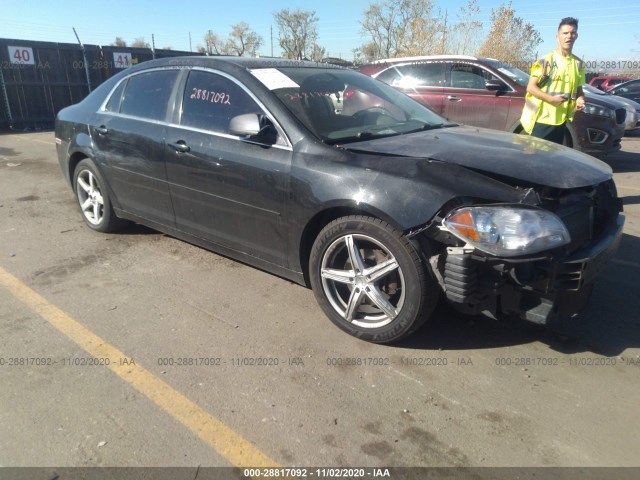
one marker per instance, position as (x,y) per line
(137,349)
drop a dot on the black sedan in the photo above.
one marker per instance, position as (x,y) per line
(337,181)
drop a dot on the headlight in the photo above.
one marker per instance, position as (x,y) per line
(591,109)
(632,115)
(507,231)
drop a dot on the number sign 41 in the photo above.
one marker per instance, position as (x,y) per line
(121,60)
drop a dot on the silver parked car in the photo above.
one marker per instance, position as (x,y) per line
(632,120)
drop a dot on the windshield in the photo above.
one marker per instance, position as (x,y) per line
(341,106)
(515,74)
(589,89)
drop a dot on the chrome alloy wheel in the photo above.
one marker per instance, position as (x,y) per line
(90,197)
(362,281)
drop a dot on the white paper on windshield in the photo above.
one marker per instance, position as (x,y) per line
(273,79)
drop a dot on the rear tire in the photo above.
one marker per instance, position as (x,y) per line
(93,198)
(370,281)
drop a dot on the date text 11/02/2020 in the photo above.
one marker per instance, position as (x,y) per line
(324,472)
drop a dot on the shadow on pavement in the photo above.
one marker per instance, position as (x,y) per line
(631,200)
(625,161)
(608,326)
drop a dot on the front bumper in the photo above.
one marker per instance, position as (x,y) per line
(539,290)
(595,135)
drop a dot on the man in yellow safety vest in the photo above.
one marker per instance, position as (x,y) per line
(554,91)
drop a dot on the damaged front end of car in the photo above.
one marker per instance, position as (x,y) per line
(522,227)
(535,260)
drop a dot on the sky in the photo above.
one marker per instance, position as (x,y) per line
(609,30)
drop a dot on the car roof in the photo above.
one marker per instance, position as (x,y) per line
(215,61)
(426,57)
(610,77)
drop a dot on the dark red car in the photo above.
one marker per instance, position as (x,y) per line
(488,93)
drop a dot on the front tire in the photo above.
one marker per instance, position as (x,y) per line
(369,279)
(93,198)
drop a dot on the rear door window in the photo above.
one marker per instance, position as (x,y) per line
(113,105)
(147,94)
(414,75)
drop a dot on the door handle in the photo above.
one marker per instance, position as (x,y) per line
(180,146)
(102,130)
(453,98)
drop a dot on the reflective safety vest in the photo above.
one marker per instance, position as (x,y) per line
(559,75)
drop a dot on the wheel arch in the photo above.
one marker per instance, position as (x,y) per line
(79,155)
(371,306)
(570,137)
(109,221)
(322,218)
(74,159)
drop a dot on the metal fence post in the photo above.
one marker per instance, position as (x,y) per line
(5,97)
(84,60)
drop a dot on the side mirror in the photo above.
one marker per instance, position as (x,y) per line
(255,127)
(246,125)
(495,85)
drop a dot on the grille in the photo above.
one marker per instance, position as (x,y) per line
(587,213)
(621,115)
(570,276)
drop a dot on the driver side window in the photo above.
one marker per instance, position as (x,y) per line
(469,76)
(210,101)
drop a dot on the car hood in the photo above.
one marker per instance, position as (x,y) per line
(520,157)
(604,99)
(628,101)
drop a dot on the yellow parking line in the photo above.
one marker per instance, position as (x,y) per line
(237,450)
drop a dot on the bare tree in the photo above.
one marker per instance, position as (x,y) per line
(465,36)
(318,53)
(511,39)
(213,44)
(378,24)
(366,53)
(140,43)
(359,57)
(401,28)
(119,42)
(243,41)
(426,34)
(298,32)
